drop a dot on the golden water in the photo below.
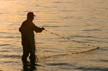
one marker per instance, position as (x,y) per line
(83,22)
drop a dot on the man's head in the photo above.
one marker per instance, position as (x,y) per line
(30,16)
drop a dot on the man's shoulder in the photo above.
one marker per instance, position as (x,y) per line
(24,21)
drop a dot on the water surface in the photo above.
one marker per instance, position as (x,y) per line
(83,24)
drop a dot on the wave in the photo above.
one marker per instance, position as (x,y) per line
(10,56)
(4,44)
(92,30)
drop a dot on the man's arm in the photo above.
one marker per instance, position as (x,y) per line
(21,27)
(38,29)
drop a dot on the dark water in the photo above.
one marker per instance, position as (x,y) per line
(81,25)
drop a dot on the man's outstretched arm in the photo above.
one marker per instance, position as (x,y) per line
(38,29)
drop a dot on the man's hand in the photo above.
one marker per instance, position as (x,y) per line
(43,28)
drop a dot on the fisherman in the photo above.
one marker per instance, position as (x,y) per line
(28,42)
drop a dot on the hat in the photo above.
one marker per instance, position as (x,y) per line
(30,14)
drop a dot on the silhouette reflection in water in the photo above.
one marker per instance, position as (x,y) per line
(29,68)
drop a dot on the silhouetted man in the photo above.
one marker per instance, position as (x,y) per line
(27,33)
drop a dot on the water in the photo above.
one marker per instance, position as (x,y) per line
(84,23)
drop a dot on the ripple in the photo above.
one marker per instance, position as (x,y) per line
(92,30)
(55,26)
(10,56)
(4,51)
(93,68)
(59,64)
(101,60)
(4,44)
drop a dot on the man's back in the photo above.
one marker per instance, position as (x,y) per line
(27,28)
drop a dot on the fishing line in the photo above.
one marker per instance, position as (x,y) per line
(72,40)
(68,39)
(64,54)
(57,35)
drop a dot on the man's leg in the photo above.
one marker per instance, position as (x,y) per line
(32,56)
(25,55)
